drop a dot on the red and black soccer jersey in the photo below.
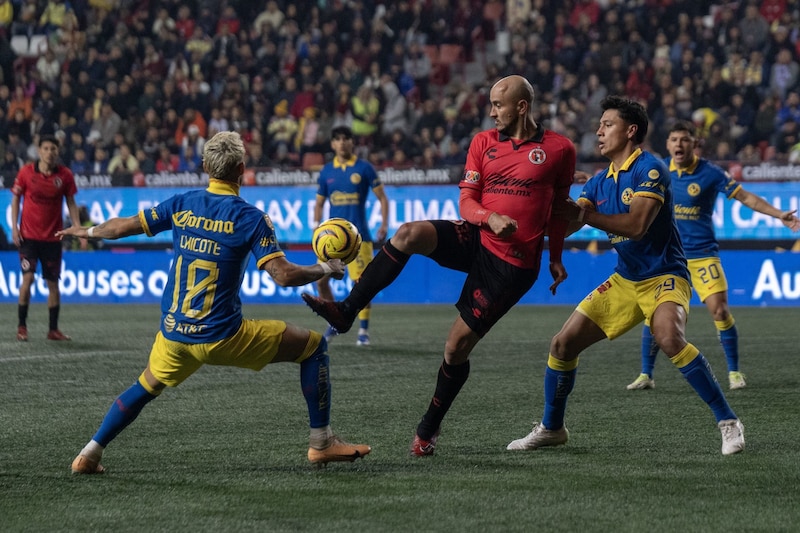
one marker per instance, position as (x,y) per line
(43,198)
(520,179)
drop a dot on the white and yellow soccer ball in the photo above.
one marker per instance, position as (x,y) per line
(336,238)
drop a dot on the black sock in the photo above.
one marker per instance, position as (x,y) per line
(54,317)
(451,379)
(22,313)
(378,275)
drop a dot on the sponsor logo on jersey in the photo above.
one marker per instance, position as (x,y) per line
(472,176)
(537,156)
(187,219)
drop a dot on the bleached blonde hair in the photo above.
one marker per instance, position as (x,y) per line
(222,155)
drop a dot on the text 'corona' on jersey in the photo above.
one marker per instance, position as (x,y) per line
(187,219)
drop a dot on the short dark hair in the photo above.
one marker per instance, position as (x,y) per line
(49,139)
(684,125)
(631,112)
(342,131)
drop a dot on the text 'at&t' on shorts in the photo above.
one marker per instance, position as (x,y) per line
(253,346)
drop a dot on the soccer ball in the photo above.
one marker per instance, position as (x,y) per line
(336,238)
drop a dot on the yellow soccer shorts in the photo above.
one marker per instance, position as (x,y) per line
(356,267)
(254,346)
(619,304)
(708,277)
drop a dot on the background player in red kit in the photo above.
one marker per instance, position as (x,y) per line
(513,176)
(44,184)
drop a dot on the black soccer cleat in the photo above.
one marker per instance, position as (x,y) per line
(330,311)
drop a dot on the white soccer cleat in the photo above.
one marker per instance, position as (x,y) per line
(732,436)
(540,437)
(642,382)
(736,380)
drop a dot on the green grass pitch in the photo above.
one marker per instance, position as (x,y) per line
(226,450)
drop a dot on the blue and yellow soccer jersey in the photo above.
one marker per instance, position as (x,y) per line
(346,187)
(611,192)
(695,190)
(213,232)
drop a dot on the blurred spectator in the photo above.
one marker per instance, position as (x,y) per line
(193,139)
(147,164)
(281,129)
(20,101)
(395,107)
(453,155)
(80,165)
(749,154)
(790,109)
(49,68)
(741,117)
(418,65)
(309,137)
(11,164)
(167,161)
(6,14)
(189,160)
(217,123)
(107,124)
(365,108)
(783,74)
(272,17)
(100,161)
(754,28)
(184,127)
(124,162)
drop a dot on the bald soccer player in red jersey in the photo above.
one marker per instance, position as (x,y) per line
(514,174)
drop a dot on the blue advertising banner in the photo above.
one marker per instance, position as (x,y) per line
(755,278)
(291,209)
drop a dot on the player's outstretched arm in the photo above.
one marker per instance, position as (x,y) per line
(756,203)
(288,274)
(115,228)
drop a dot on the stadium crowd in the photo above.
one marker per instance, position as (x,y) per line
(138,85)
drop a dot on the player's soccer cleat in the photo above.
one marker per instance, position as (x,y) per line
(330,311)
(363,339)
(330,333)
(736,380)
(337,450)
(56,335)
(22,333)
(732,436)
(642,382)
(540,437)
(421,447)
(85,465)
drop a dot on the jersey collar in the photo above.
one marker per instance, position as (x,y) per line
(536,138)
(614,173)
(216,186)
(688,170)
(349,163)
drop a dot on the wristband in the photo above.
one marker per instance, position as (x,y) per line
(326,268)
(581,214)
(90,232)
